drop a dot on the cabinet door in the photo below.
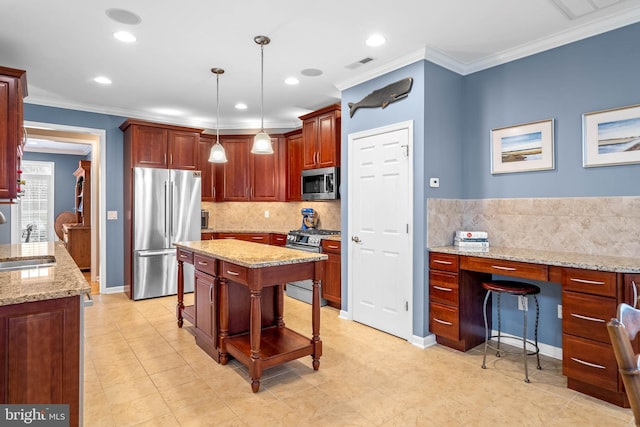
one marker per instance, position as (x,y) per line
(205,303)
(327,143)
(10,136)
(183,150)
(309,138)
(294,167)
(265,183)
(331,284)
(149,146)
(207,169)
(235,185)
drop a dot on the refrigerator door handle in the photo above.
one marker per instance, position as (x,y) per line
(149,253)
(172,185)
(166,203)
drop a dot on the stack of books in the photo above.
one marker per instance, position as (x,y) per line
(472,241)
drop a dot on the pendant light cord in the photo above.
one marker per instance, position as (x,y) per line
(217,108)
(262,88)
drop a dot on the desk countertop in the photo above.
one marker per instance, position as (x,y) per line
(64,279)
(249,254)
(562,259)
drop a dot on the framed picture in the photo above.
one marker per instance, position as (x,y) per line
(611,137)
(520,148)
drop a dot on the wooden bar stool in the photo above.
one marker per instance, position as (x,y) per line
(515,288)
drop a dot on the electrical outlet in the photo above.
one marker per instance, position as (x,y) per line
(559,311)
(266,214)
(523,303)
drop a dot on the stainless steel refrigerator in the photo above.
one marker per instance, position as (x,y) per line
(166,209)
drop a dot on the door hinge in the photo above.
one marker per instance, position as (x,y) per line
(405,149)
(407,228)
(406,305)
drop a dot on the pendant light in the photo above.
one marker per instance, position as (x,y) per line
(262,141)
(217,154)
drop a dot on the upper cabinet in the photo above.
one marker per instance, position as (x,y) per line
(321,138)
(294,165)
(13,88)
(251,177)
(209,170)
(156,145)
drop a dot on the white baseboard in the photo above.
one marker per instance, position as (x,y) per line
(423,342)
(344,315)
(114,290)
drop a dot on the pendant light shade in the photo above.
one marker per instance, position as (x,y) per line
(262,141)
(217,154)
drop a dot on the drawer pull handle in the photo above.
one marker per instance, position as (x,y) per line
(588,282)
(440,288)
(443,322)
(332,247)
(635,294)
(592,365)
(499,267)
(184,256)
(592,319)
(202,263)
(233,273)
(257,238)
(437,261)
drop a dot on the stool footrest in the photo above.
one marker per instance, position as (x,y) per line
(514,351)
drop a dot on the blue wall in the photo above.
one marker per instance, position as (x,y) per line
(64,181)
(114,182)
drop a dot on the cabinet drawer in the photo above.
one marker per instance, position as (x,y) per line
(446,262)
(185,256)
(278,239)
(506,268)
(233,272)
(587,315)
(444,321)
(332,246)
(589,361)
(443,287)
(205,264)
(589,281)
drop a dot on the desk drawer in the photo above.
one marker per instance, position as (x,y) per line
(444,320)
(446,262)
(587,315)
(233,272)
(185,256)
(506,268)
(205,264)
(443,287)
(589,281)
(589,361)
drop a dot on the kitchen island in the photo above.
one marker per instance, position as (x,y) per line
(41,315)
(239,302)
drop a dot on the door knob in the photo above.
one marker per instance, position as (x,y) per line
(356,239)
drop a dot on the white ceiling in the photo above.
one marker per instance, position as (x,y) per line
(64,44)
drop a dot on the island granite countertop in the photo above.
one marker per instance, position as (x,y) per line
(61,280)
(615,264)
(249,254)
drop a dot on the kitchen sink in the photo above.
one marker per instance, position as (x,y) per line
(27,263)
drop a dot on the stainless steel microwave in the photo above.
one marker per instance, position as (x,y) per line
(321,184)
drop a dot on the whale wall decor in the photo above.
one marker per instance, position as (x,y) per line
(384,96)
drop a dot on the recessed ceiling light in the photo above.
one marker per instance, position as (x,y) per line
(241,106)
(375,40)
(125,36)
(311,72)
(292,81)
(123,16)
(102,80)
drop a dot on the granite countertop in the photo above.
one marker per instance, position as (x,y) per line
(335,237)
(563,259)
(212,230)
(249,254)
(64,279)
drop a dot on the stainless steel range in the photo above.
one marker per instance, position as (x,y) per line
(309,240)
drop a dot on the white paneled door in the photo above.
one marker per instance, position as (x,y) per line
(380,223)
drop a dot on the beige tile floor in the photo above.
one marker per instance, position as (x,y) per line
(140,369)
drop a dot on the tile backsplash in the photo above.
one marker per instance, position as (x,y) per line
(592,225)
(283,216)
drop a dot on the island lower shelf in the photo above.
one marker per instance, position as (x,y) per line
(277,345)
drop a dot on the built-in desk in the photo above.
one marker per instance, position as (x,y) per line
(592,288)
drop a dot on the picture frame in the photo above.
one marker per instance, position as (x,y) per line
(611,137)
(522,148)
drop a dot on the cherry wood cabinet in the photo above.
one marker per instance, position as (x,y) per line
(207,236)
(331,282)
(278,239)
(208,169)
(83,192)
(321,138)
(251,177)
(77,241)
(40,357)
(247,237)
(13,88)
(206,296)
(157,145)
(294,165)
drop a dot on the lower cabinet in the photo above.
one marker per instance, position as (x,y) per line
(206,295)
(40,356)
(331,282)
(77,240)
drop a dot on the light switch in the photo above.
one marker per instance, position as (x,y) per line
(112,214)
